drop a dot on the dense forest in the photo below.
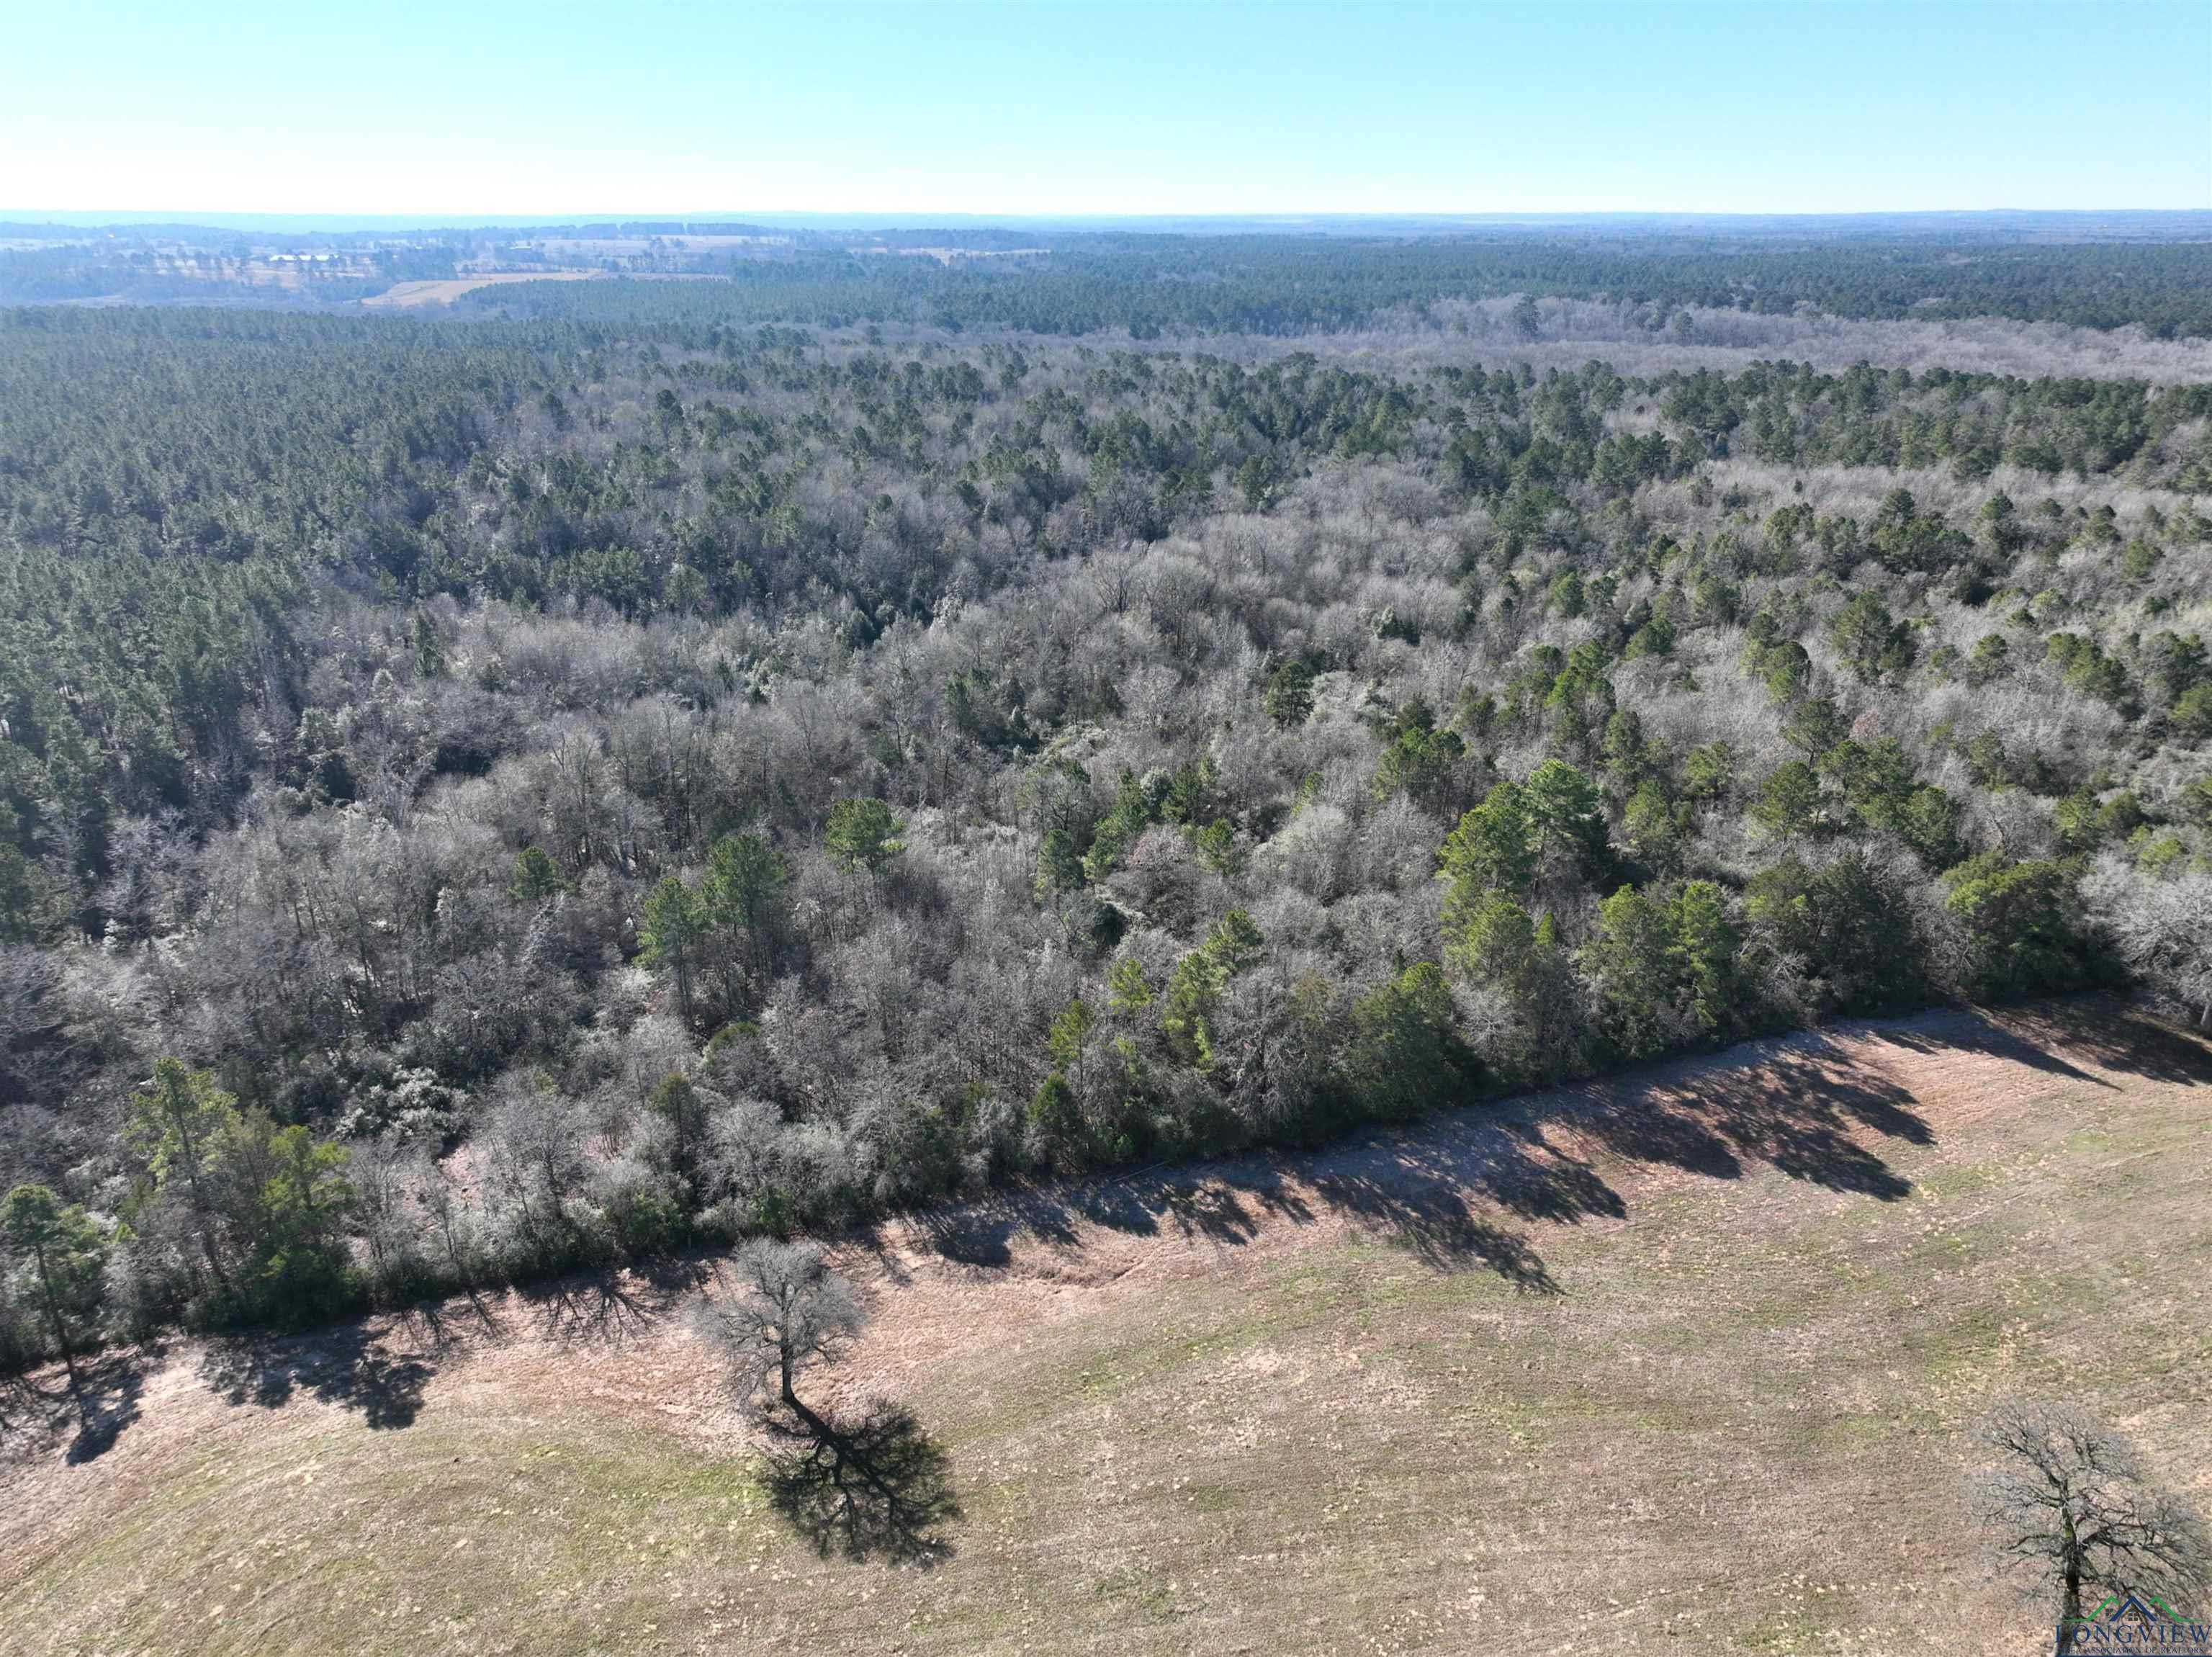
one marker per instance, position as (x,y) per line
(1168,285)
(648,763)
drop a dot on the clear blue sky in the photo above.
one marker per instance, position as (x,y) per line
(469,107)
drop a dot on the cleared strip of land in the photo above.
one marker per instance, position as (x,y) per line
(1675,1363)
(408,295)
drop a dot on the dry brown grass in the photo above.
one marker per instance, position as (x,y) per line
(1679,1362)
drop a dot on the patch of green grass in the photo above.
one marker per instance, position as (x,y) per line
(432,1539)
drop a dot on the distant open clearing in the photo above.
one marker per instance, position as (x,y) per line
(1677,1362)
(444,291)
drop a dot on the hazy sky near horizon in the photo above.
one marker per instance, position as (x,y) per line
(559,109)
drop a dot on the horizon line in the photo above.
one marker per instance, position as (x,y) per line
(97,217)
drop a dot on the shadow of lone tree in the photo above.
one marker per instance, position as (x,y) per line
(870,1483)
(874,1484)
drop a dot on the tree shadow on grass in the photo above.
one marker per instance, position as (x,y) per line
(1801,1107)
(609,1307)
(1415,1188)
(38,1412)
(440,1333)
(1224,1202)
(111,1386)
(2104,1032)
(1804,1104)
(1976,1032)
(1408,1184)
(1436,1227)
(1217,1211)
(381,1369)
(1795,1109)
(873,1485)
(346,1365)
(971,1234)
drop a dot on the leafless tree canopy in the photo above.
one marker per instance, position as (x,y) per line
(787,1310)
(2072,1512)
(636,779)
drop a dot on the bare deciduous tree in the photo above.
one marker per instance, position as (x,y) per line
(2071,1510)
(2161,927)
(790,1310)
(870,1482)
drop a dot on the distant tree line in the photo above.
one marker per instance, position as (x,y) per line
(1152,285)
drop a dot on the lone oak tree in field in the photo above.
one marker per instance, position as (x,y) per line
(875,1482)
(2069,1506)
(790,1310)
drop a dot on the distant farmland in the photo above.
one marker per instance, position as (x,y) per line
(407,296)
(1676,1363)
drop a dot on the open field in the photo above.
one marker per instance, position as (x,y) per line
(1677,1363)
(408,295)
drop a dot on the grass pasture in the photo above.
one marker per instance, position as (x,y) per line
(1678,1363)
